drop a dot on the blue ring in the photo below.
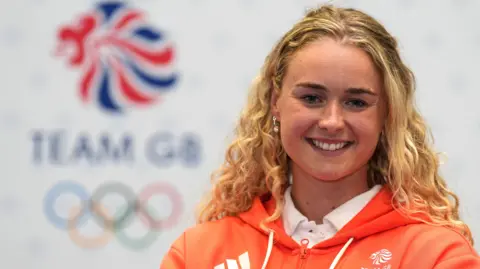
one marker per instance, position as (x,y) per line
(52,196)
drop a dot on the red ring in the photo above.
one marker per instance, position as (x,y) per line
(175,197)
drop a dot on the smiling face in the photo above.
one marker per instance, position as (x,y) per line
(330,109)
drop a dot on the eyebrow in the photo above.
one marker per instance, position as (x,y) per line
(321,87)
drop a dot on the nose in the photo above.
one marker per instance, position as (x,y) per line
(331,118)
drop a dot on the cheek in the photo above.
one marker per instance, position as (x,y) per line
(367,130)
(297,121)
(295,125)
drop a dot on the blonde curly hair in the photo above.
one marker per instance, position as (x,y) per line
(257,166)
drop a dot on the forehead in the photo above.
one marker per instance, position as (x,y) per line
(335,65)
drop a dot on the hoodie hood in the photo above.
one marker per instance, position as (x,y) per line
(376,217)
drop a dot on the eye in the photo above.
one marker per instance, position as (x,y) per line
(312,99)
(357,103)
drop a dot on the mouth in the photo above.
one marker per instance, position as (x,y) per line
(329,146)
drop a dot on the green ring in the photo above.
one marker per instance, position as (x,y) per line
(142,242)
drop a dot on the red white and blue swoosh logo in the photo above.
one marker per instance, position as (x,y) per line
(125,62)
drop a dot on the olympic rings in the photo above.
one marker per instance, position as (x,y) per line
(113,224)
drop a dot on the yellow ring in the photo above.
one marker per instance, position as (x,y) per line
(81,240)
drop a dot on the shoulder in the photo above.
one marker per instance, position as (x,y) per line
(439,245)
(438,235)
(208,241)
(214,233)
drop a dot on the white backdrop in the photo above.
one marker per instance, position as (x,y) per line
(49,135)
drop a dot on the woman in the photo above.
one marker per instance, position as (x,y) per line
(332,167)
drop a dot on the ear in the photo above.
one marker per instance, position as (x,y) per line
(274,104)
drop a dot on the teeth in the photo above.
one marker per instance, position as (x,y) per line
(330,147)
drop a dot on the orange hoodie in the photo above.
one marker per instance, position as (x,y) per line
(377,238)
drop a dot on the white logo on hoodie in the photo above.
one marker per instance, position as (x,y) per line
(232,264)
(380,258)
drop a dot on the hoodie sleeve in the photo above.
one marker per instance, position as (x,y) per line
(175,257)
(458,255)
(460,262)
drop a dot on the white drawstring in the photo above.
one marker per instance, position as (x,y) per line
(340,254)
(269,249)
(332,266)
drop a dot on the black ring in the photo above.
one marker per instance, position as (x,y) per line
(115,222)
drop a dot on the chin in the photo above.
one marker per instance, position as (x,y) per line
(330,176)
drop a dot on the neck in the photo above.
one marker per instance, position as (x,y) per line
(315,198)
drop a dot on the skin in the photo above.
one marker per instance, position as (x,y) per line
(331,93)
